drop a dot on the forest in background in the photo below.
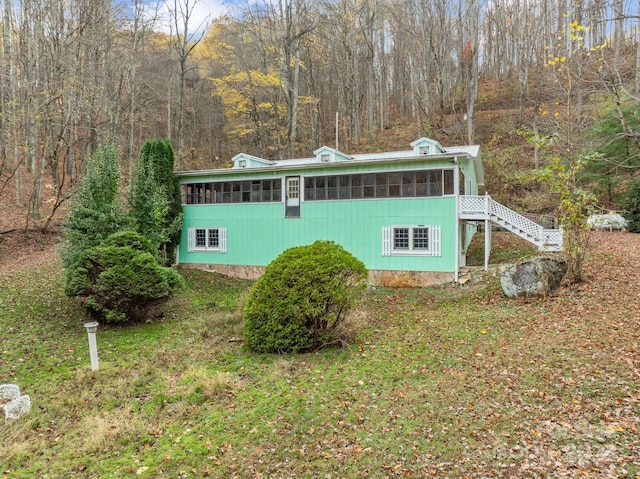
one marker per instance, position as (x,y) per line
(529,80)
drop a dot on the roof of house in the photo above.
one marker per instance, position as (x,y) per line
(337,158)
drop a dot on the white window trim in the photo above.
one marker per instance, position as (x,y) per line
(424,149)
(242,163)
(222,240)
(325,158)
(435,241)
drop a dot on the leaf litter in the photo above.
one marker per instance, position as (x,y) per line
(458,382)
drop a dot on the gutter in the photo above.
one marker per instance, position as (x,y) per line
(313,166)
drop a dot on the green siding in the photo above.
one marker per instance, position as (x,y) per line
(258,232)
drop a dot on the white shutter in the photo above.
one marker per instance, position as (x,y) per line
(191,240)
(436,241)
(223,239)
(386,241)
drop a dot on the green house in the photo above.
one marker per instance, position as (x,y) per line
(408,215)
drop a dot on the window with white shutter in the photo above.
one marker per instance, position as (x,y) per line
(207,239)
(411,240)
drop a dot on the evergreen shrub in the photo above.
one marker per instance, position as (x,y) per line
(303,295)
(631,206)
(120,279)
(96,210)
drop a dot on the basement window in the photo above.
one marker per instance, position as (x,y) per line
(411,240)
(207,239)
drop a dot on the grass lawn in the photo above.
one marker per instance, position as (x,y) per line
(434,382)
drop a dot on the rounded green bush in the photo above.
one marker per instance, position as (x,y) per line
(303,295)
(120,279)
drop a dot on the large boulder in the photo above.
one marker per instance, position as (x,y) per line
(537,276)
(610,221)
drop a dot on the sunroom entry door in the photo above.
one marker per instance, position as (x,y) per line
(292,200)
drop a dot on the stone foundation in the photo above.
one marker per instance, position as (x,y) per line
(408,279)
(391,279)
(232,270)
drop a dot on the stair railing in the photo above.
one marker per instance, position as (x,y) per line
(516,220)
(484,207)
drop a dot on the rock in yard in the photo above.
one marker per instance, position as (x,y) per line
(17,407)
(9,391)
(611,221)
(537,276)
(12,402)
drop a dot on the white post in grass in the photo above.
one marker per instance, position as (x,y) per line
(93,348)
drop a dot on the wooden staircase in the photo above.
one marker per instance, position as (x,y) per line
(485,208)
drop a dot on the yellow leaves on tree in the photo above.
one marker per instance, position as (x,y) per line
(250,99)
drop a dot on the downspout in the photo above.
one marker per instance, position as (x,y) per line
(487,230)
(456,190)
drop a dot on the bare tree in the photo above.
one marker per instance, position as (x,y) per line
(469,35)
(184,38)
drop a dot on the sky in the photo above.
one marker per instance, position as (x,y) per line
(203,11)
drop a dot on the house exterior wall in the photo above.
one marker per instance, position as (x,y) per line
(405,227)
(257,232)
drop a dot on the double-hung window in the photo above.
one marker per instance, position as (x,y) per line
(207,239)
(411,240)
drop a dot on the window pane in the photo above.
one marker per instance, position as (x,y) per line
(266,190)
(394,185)
(332,188)
(217,192)
(421,238)
(435,183)
(214,238)
(208,193)
(293,188)
(344,187)
(321,190)
(227,195)
(369,181)
(309,189)
(277,190)
(236,196)
(421,183)
(356,186)
(246,191)
(256,191)
(199,193)
(401,238)
(448,182)
(201,238)
(408,183)
(381,185)
(186,194)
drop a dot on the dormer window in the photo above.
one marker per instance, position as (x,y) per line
(425,146)
(242,163)
(325,157)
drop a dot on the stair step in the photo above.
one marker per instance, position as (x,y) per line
(496,209)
